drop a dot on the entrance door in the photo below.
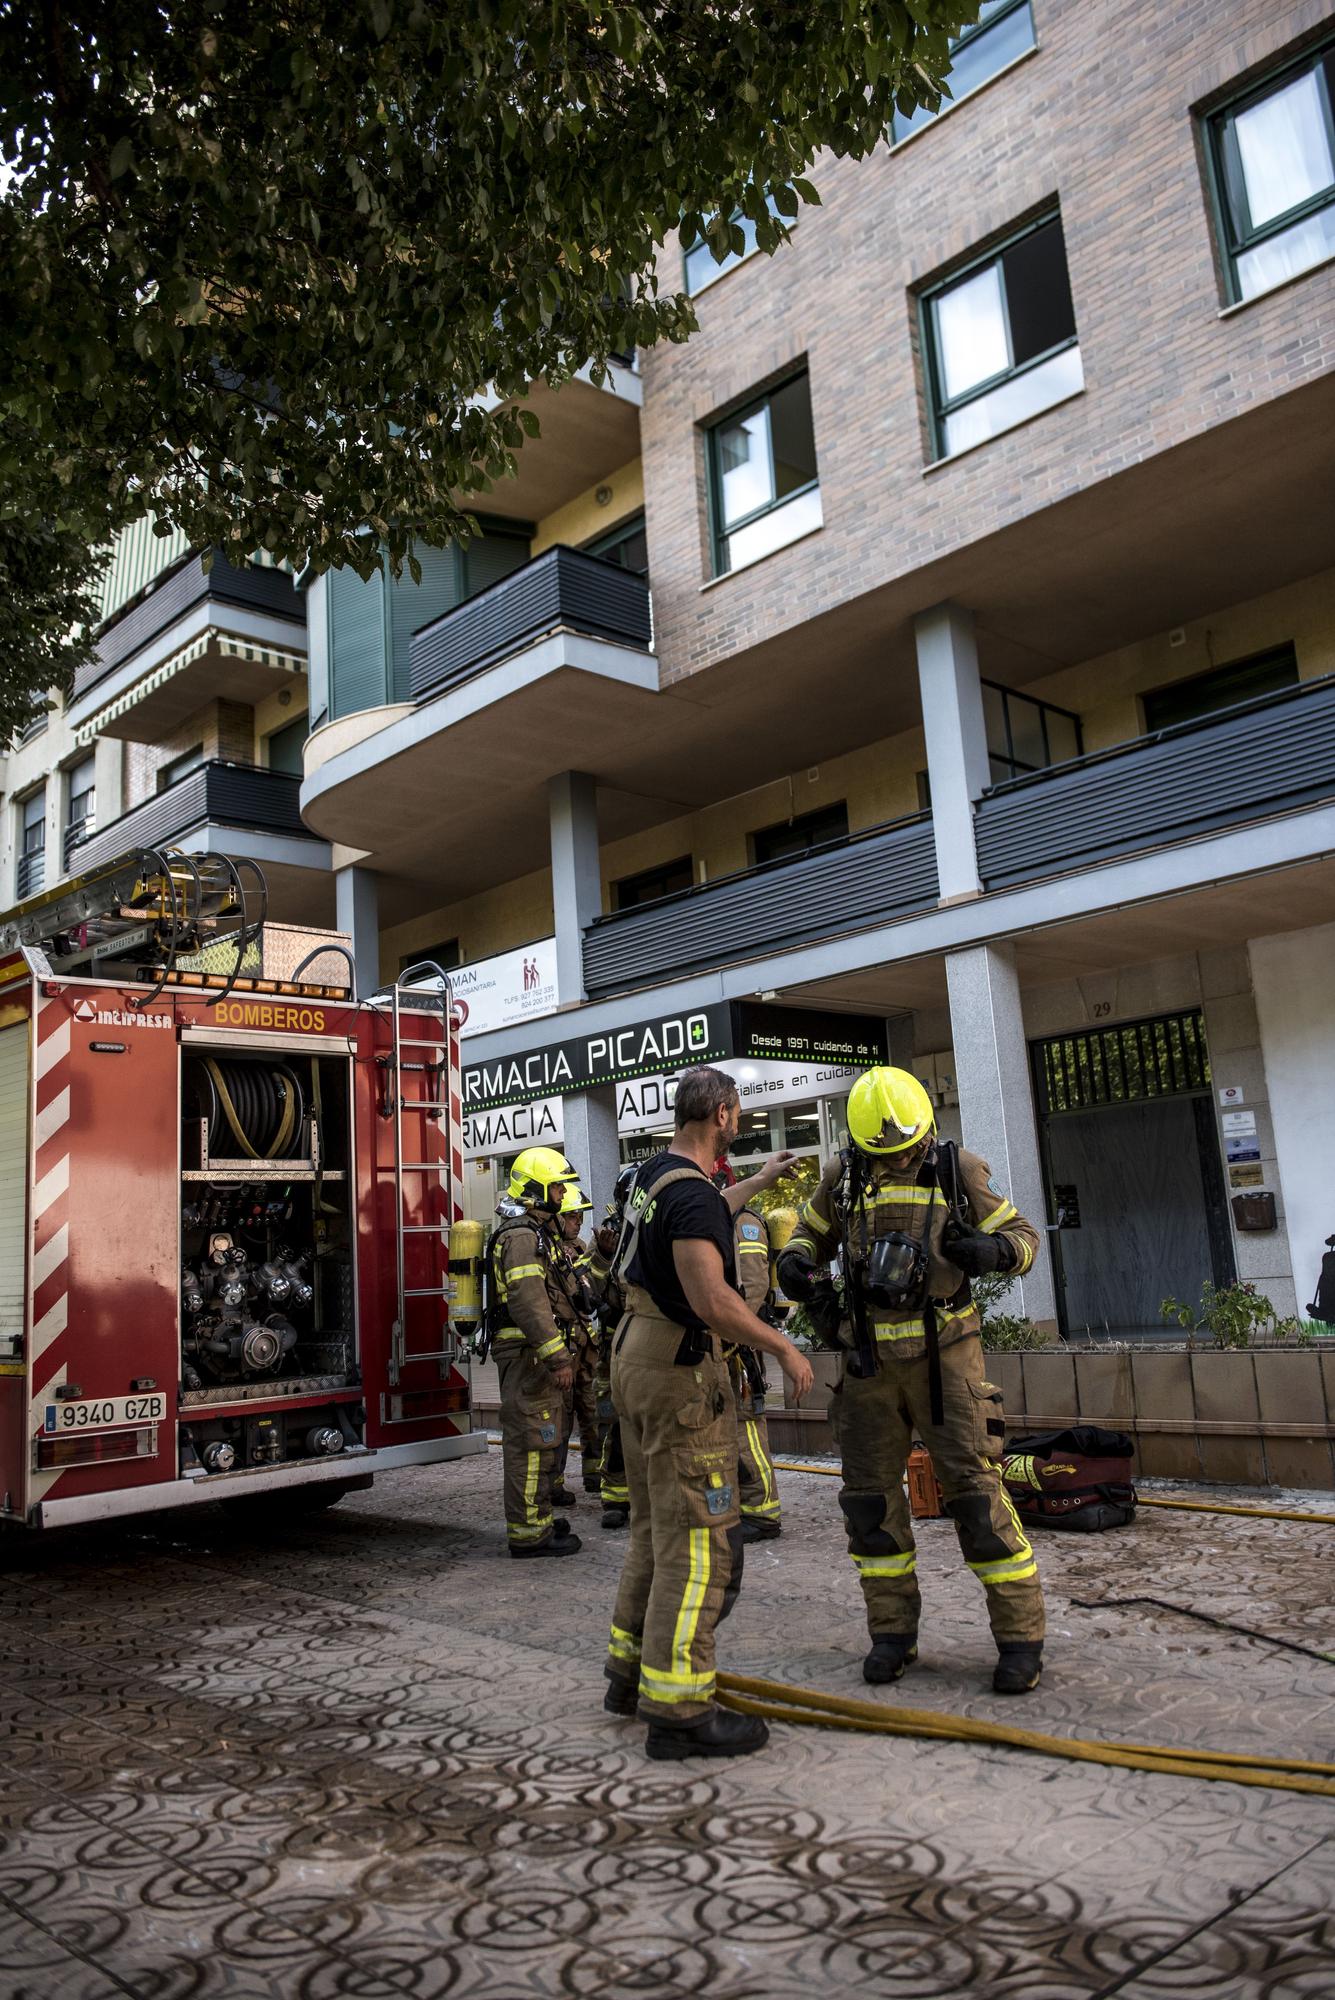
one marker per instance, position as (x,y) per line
(1133,1171)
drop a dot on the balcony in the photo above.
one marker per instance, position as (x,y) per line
(560,590)
(587,434)
(888,871)
(1263,758)
(240,797)
(235,633)
(31,874)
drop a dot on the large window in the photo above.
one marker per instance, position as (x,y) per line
(181,767)
(1221,687)
(1000,339)
(286,747)
(701,268)
(800,835)
(1023,735)
(445,955)
(80,804)
(652,884)
(762,465)
(1003,31)
(1273,156)
(32,843)
(626,545)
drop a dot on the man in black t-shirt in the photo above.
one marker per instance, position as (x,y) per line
(678,1422)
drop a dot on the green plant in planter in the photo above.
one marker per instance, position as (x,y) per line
(1002,1333)
(1234,1315)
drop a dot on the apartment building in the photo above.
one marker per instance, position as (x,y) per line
(185,730)
(933,657)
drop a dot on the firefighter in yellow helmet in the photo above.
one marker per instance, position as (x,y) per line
(912,1221)
(582,1402)
(531,1318)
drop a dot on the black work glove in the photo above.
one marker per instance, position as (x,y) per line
(824,1313)
(796,1274)
(976,1253)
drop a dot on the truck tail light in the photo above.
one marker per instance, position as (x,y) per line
(95,1448)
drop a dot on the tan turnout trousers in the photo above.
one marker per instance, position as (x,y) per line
(683,1567)
(532,1425)
(874,1421)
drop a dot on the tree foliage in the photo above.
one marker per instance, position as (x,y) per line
(281,270)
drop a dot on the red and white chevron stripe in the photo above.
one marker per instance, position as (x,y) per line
(50,1218)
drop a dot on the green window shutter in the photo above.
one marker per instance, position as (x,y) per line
(490,557)
(356,639)
(413,604)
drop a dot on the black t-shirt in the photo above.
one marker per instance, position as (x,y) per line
(689,1208)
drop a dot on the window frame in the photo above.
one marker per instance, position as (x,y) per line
(1019,767)
(638,874)
(760,833)
(612,538)
(975,32)
(1218,122)
(25,856)
(730,262)
(939,407)
(718,532)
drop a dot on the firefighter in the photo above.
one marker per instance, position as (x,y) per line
(913,1222)
(673,1396)
(757,1487)
(611,1307)
(582,1403)
(533,1317)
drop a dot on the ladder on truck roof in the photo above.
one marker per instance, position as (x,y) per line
(410,1145)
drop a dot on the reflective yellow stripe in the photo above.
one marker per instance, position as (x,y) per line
(531,1487)
(550,1347)
(623,1645)
(1026,1255)
(517,1271)
(914,1329)
(681,1676)
(658,1686)
(752,1250)
(615,1496)
(1014,1570)
(535,1534)
(769,1505)
(916,1197)
(998,1218)
(810,1220)
(886,1565)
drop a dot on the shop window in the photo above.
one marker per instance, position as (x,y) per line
(1221,687)
(800,835)
(1000,339)
(1003,31)
(181,767)
(1272,154)
(31,843)
(285,747)
(627,546)
(762,476)
(652,884)
(701,268)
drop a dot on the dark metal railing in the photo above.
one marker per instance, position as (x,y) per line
(216,793)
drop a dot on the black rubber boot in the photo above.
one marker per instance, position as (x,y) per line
(761,1531)
(622,1697)
(560,1528)
(615,1515)
(890,1653)
(1018,1669)
(592,1483)
(718,1733)
(563,1497)
(559,1545)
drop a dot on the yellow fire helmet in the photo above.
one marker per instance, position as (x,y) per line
(576,1201)
(888,1111)
(536,1172)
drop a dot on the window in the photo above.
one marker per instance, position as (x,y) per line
(762,465)
(1272,153)
(445,955)
(1221,687)
(1023,735)
(286,745)
(801,834)
(651,884)
(625,546)
(181,767)
(80,804)
(32,843)
(1000,340)
(701,269)
(1004,30)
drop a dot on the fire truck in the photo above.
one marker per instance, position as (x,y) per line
(226,1190)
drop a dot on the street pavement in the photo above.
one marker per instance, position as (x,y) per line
(364,1754)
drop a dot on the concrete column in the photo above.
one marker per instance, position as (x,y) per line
(952,716)
(900,1036)
(590,1144)
(996,1098)
(356,914)
(577,893)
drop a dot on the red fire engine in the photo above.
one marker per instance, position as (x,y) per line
(225,1198)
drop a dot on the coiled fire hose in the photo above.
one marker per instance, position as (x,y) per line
(260,1104)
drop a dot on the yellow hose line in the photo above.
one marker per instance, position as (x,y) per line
(1186,1506)
(808,1705)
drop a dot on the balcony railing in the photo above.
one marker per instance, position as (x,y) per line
(1272,755)
(886,872)
(562,588)
(270,591)
(31,874)
(217,794)
(77,831)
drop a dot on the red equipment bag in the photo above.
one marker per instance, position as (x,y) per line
(1078,1478)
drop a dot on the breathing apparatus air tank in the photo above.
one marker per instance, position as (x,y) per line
(466,1245)
(781,1223)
